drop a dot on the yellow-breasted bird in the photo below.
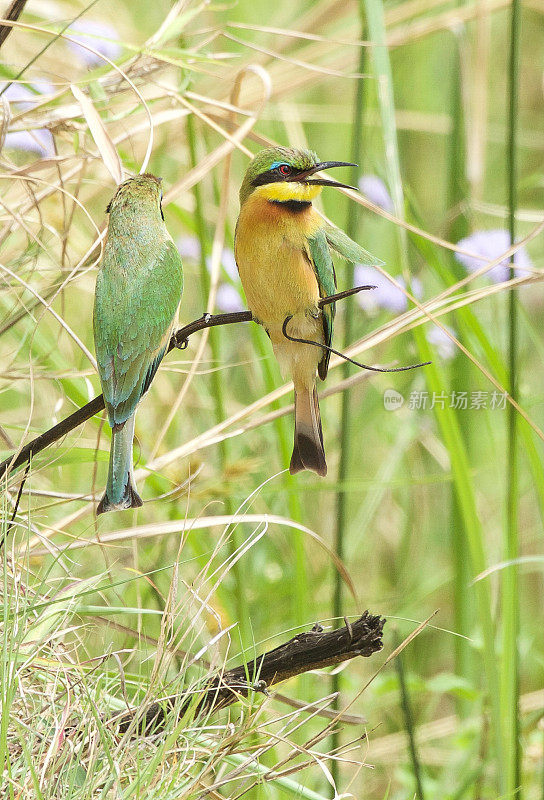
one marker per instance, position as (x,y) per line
(138,290)
(283,252)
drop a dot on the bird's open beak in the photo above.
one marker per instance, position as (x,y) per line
(303,176)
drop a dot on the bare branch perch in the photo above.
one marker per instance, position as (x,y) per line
(305,651)
(179,339)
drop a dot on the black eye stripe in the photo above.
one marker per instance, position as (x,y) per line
(274,175)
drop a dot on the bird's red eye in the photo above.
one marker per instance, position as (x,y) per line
(285,169)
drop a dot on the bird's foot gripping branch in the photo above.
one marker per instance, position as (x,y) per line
(306,651)
(179,339)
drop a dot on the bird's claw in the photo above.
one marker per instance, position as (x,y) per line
(317,628)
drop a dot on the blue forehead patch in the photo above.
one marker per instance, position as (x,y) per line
(277,164)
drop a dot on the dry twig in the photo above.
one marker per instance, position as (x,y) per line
(314,649)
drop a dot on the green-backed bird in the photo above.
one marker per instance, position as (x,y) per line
(138,290)
(283,253)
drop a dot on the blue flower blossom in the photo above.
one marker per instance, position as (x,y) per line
(228,262)
(189,247)
(386,295)
(228,299)
(38,141)
(490,245)
(20,94)
(376,191)
(25,99)
(101,36)
(442,342)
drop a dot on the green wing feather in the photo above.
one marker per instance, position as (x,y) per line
(320,256)
(348,249)
(133,316)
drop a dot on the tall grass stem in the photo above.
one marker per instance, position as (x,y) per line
(446,420)
(509,583)
(345,412)
(457,192)
(241,607)
(409,724)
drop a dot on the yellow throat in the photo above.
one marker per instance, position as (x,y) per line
(285,190)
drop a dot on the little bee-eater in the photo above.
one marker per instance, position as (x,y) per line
(282,249)
(138,290)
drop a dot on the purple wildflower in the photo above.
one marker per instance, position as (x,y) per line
(229,265)
(386,295)
(101,36)
(442,342)
(189,247)
(20,95)
(228,262)
(490,245)
(38,141)
(228,299)
(376,191)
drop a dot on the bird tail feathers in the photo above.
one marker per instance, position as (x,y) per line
(120,489)
(308,451)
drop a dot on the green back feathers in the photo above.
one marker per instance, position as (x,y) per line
(139,191)
(138,290)
(133,316)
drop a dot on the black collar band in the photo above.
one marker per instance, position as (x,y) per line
(296,206)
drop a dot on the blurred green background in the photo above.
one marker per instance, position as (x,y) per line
(425,490)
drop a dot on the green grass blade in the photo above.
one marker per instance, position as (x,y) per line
(345,411)
(447,422)
(509,577)
(242,614)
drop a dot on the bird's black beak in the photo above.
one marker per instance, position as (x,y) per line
(303,176)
